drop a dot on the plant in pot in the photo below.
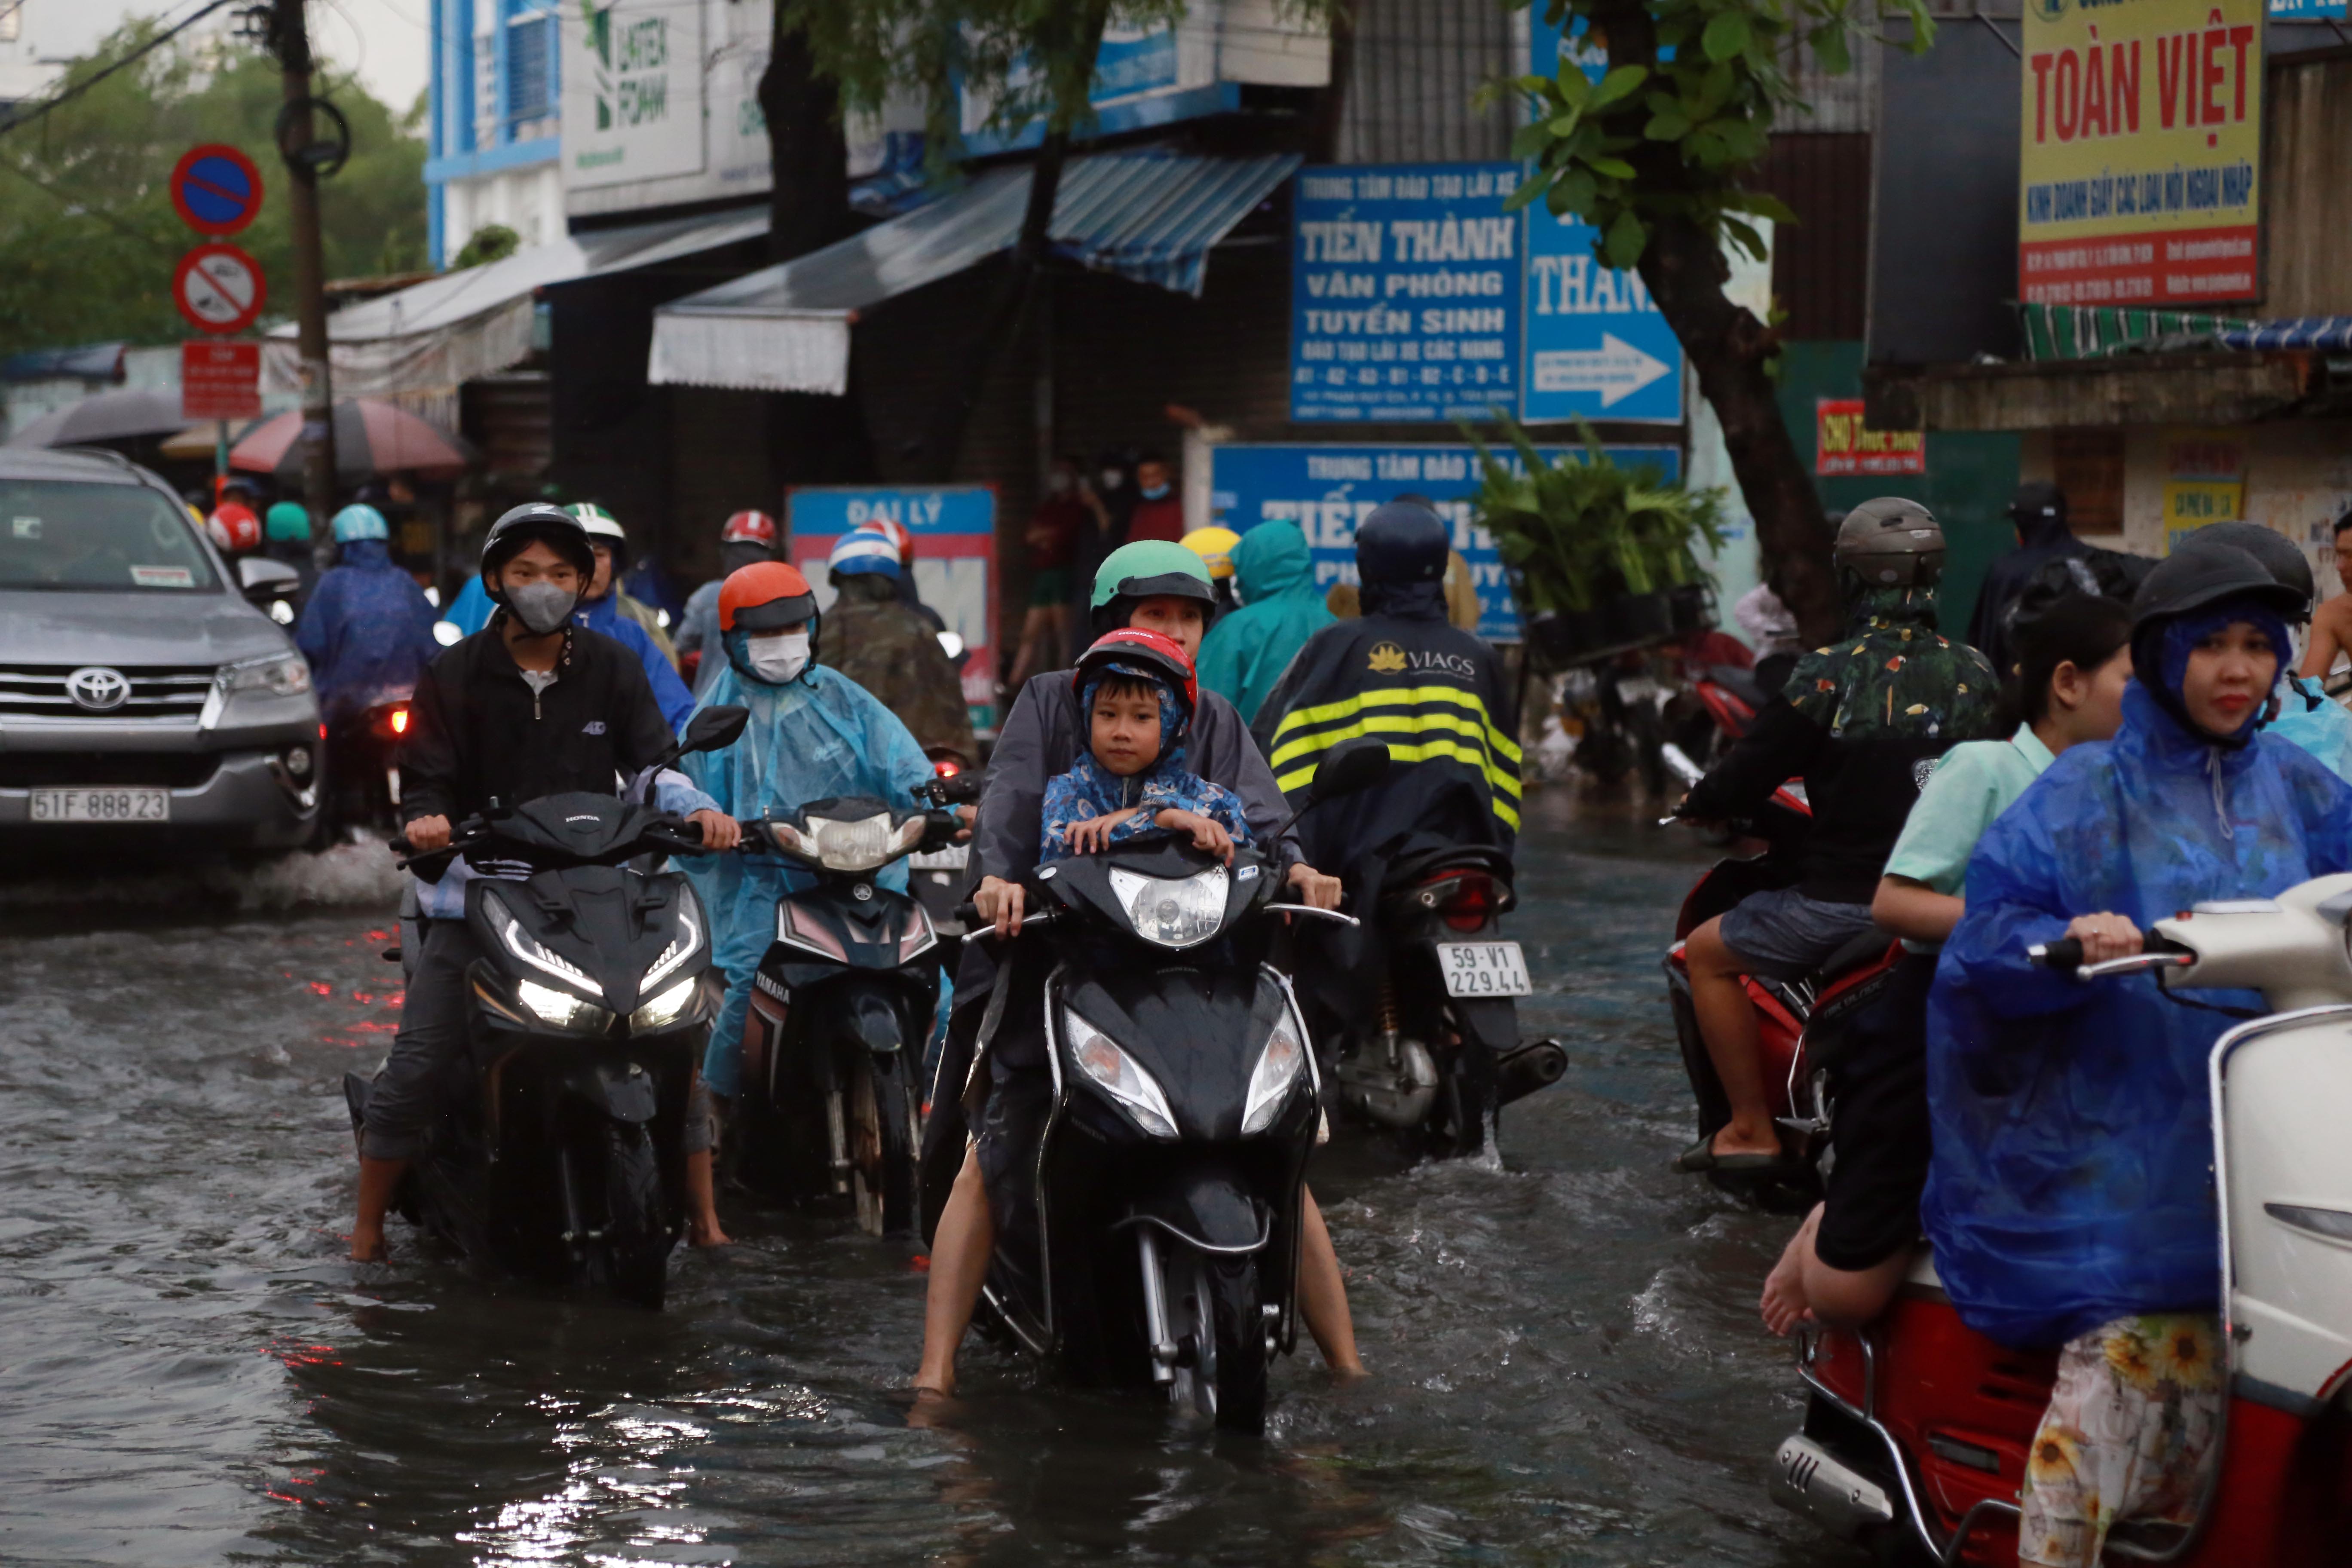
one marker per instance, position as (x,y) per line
(1595,552)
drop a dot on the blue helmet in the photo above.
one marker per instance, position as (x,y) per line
(863,551)
(355,523)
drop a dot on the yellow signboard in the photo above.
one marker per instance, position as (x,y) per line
(2141,146)
(2204,481)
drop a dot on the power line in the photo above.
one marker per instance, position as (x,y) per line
(150,47)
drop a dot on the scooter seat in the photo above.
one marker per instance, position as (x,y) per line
(1857,952)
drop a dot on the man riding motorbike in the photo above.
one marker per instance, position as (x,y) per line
(532,705)
(882,646)
(747,539)
(1861,722)
(814,734)
(367,628)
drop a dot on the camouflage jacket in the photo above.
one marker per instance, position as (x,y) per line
(887,649)
(1892,675)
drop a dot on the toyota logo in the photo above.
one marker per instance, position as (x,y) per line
(98,689)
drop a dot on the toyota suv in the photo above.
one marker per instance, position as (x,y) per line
(139,691)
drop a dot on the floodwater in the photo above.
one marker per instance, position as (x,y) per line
(1568,1364)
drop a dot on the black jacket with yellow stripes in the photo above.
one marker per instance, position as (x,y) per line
(1435,695)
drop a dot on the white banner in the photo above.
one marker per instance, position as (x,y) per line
(632,91)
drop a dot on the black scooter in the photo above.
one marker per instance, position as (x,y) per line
(829,1105)
(557,1154)
(1185,1105)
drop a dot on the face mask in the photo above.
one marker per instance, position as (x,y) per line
(1155,492)
(542,607)
(1112,477)
(778,659)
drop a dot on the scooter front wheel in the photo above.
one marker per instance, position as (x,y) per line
(882,1141)
(1213,1310)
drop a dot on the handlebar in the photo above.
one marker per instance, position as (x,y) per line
(2066,952)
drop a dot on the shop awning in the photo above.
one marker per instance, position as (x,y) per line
(1151,216)
(2099,332)
(478,322)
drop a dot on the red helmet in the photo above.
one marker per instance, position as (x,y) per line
(1136,649)
(900,540)
(234,527)
(750,528)
(764,595)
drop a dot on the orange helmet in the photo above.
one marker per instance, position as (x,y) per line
(764,595)
(900,540)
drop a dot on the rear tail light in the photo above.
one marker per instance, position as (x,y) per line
(1465,902)
(946,768)
(400,720)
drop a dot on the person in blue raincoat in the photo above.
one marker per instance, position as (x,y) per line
(470,612)
(2070,1194)
(813,734)
(1247,652)
(602,609)
(2306,716)
(367,628)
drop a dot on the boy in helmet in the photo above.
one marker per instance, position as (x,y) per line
(1862,722)
(531,705)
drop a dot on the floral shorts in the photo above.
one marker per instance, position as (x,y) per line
(2128,1436)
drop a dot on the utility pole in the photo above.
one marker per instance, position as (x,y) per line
(293,40)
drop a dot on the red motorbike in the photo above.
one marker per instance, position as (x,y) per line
(1799,1022)
(1917,1431)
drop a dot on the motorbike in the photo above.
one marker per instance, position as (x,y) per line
(1917,1428)
(1800,1024)
(363,765)
(1727,700)
(557,1153)
(1185,1103)
(830,1107)
(1434,1050)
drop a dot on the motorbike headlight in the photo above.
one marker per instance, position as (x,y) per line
(663,1010)
(860,845)
(532,951)
(1174,911)
(1279,1066)
(1101,1060)
(683,946)
(278,674)
(561,1008)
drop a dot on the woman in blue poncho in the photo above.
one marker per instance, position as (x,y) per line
(2071,1198)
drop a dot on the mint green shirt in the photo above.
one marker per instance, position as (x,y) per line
(1974,784)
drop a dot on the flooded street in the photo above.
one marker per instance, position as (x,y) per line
(1568,1364)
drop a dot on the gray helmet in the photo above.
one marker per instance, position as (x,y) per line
(1890,542)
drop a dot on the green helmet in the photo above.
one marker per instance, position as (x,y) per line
(1150,567)
(288,521)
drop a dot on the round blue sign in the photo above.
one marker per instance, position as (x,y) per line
(215,189)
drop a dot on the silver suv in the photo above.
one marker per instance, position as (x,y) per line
(139,692)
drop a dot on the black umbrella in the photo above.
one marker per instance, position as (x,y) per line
(108,416)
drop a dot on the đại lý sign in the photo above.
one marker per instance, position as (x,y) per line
(954,527)
(2141,153)
(1843,444)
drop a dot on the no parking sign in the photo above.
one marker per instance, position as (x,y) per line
(215,189)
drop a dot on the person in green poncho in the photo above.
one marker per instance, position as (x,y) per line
(1246,651)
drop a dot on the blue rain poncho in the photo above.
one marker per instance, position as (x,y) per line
(819,736)
(670,694)
(2071,1181)
(2310,720)
(367,632)
(471,610)
(1246,651)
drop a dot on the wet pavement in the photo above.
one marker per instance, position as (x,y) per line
(1568,1365)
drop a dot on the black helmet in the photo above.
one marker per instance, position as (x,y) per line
(1890,542)
(2274,551)
(2190,579)
(534,520)
(1400,542)
(2036,500)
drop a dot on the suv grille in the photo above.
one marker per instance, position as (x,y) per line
(41,770)
(157,692)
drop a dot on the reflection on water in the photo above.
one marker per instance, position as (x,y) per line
(1568,1366)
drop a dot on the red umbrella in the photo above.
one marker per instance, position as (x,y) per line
(372,437)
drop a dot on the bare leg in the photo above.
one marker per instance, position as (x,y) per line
(702,1226)
(1726,1021)
(1847,1299)
(378,1179)
(1784,1305)
(1323,1293)
(960,1254)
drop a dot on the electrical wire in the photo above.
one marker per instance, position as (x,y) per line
(78,89)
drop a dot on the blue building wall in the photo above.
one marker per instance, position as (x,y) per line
(525,98)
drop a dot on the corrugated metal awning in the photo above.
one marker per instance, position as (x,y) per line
(1151,216)
(2103,332)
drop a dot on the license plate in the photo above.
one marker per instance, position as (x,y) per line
(101,805)
(1484,969)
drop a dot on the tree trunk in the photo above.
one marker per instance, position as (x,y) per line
(1685,273)
(812,437)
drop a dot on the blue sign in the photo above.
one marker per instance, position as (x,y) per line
(1140,81)
(2310,10)
(1404,292)
(1328,490)
(954,527)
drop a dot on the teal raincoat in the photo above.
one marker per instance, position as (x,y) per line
(1246,651)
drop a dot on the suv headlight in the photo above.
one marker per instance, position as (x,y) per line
(1174,911)
(278,674)
(663,1010)
(1279,1066)
(860,845)
(1120,1078)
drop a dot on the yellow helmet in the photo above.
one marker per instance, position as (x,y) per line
(1214,546)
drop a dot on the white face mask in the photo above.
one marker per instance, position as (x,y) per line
(777,661)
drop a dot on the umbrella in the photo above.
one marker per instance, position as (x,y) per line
(108,416)
(372,437)
(195,443)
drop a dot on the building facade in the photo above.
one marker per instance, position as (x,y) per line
(495,126)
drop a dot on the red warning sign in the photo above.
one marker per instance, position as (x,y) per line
(220,381)
(219,288)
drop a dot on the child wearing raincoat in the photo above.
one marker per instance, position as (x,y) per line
(2070,1194)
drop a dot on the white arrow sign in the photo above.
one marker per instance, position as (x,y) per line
(1616,369)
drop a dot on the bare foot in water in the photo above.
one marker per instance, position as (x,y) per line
(367,1246)
(708,1233)
(1784,1305)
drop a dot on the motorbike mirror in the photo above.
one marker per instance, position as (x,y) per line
(262,578)
(714,728)
(1357,765)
